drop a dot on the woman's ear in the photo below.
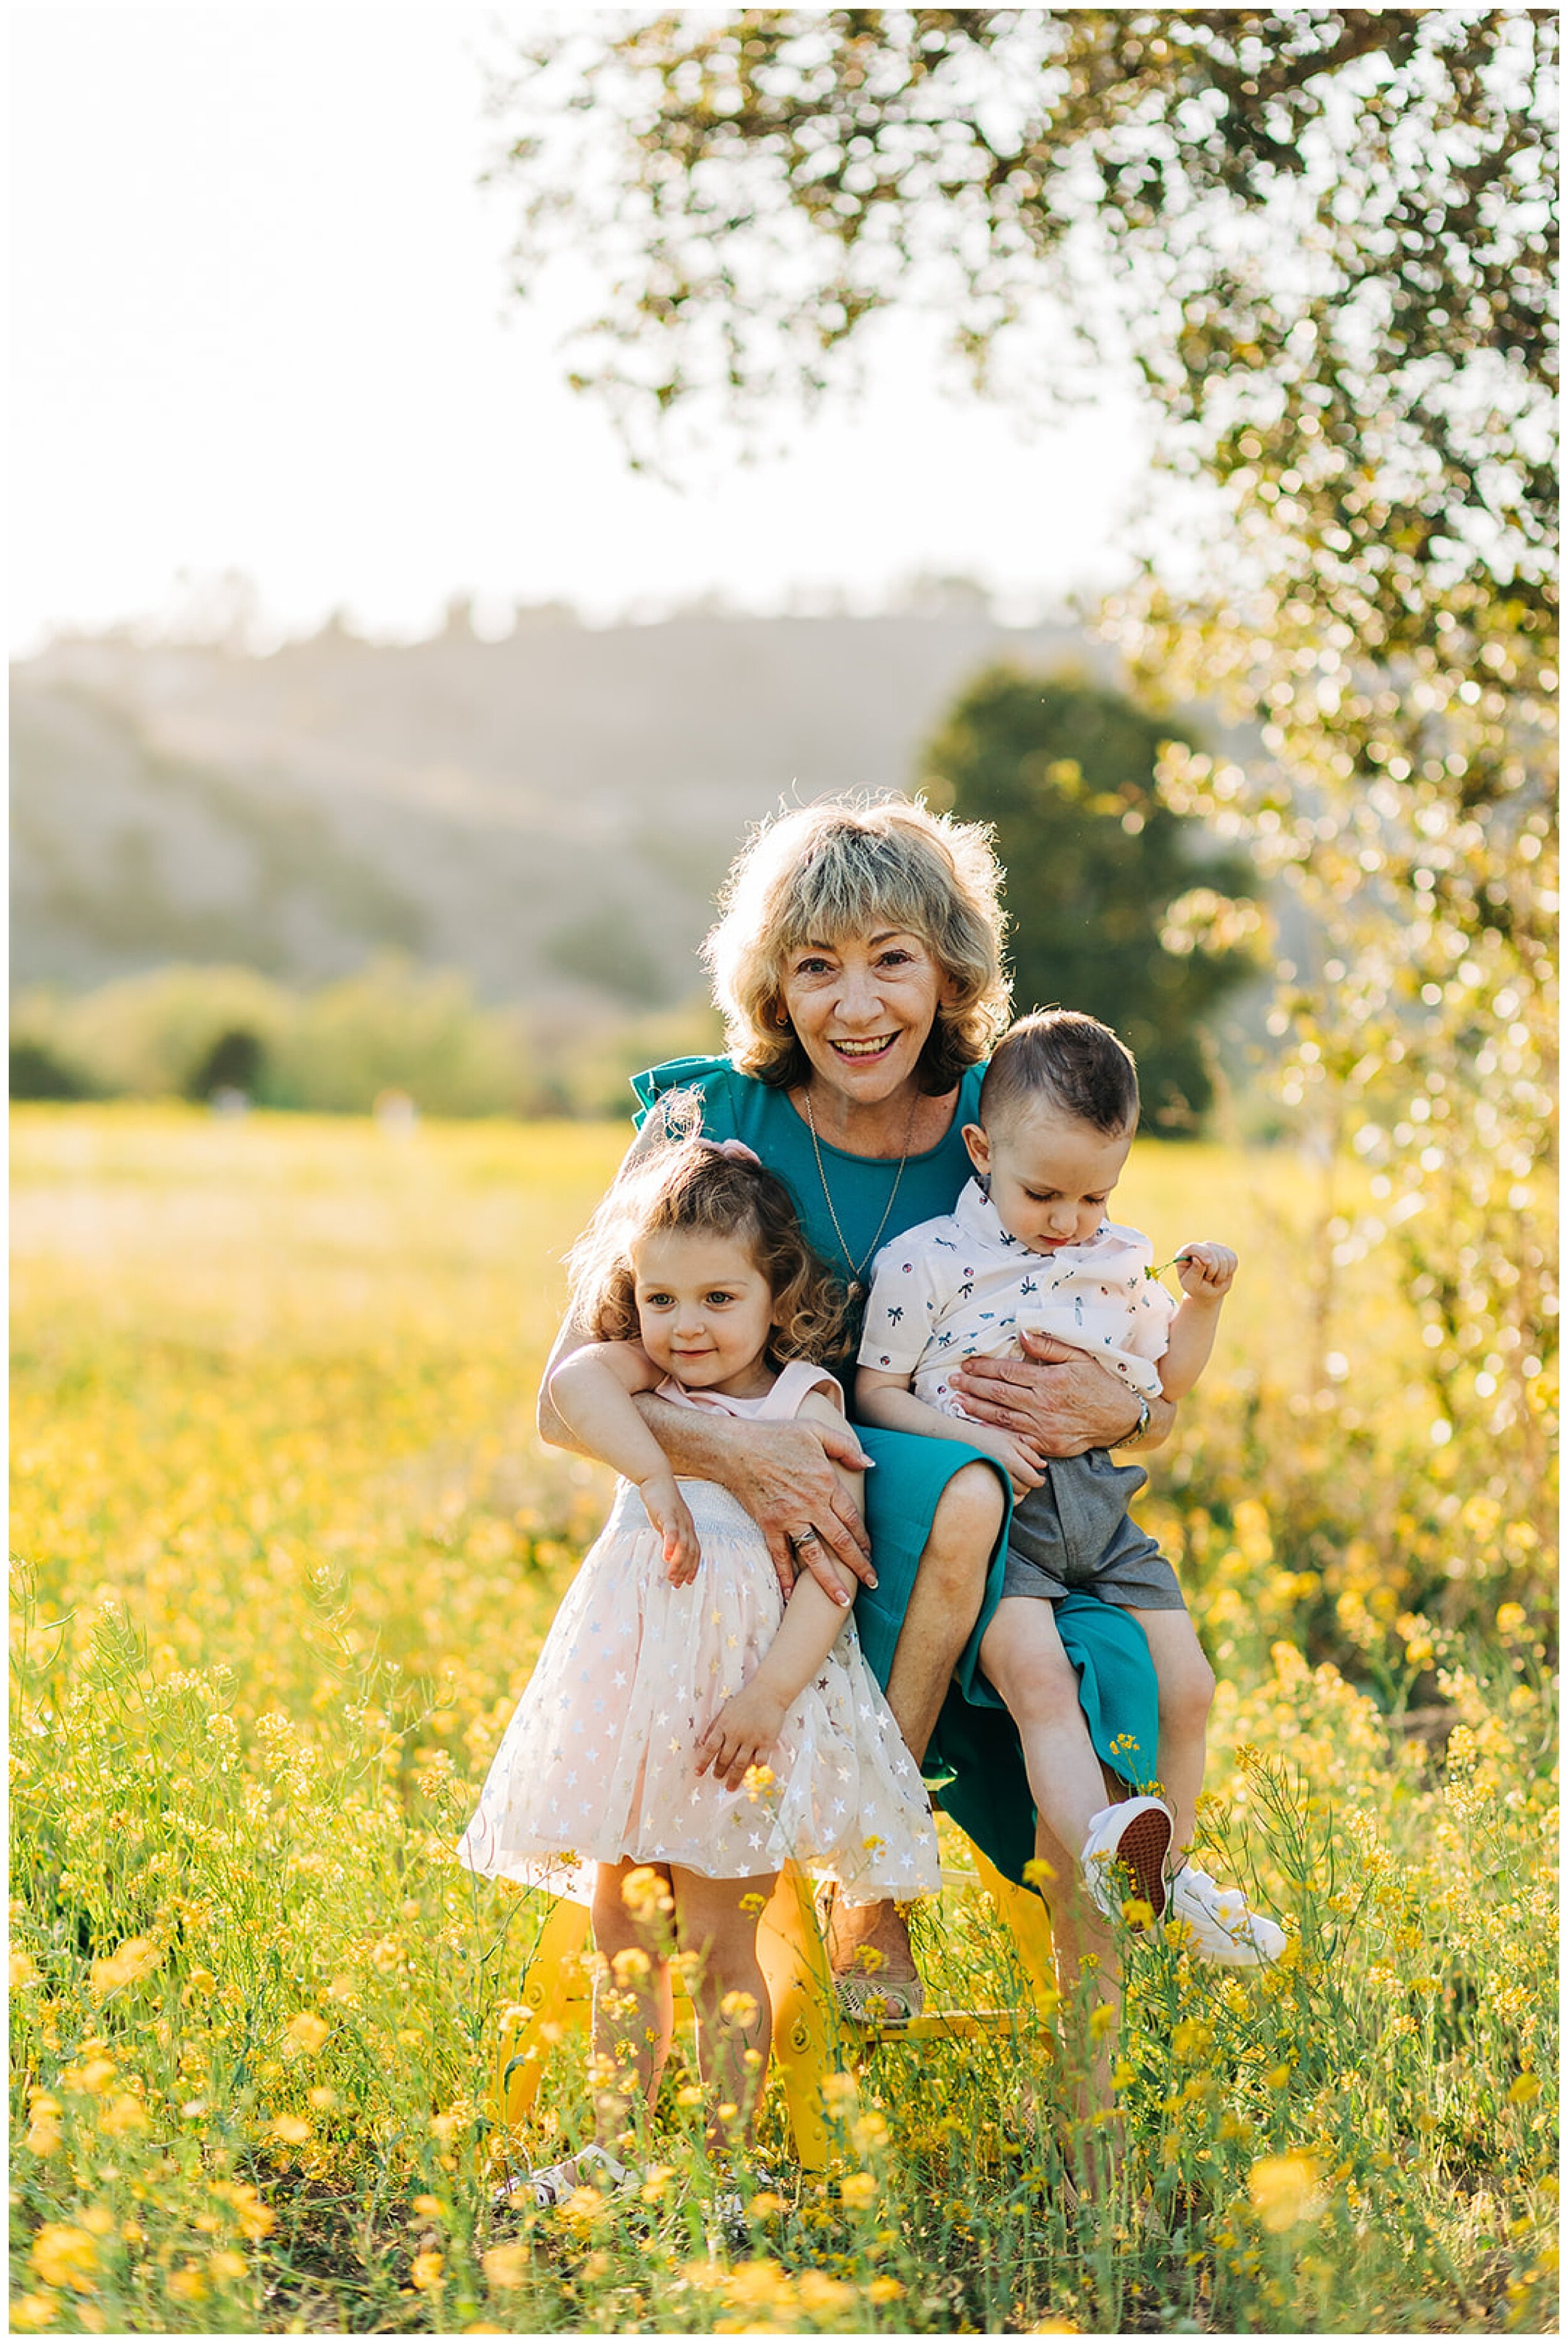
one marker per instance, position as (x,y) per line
(979,1146)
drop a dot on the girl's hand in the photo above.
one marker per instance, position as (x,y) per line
(745,1729)
(1206,1271)
(667,1510)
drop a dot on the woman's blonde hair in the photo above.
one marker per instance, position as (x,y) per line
(846,866)
(693,1186)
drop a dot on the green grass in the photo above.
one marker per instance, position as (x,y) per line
(289,1546)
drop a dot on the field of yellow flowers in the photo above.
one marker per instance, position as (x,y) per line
(288,1548)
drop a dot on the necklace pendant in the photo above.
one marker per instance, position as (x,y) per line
(854,1291)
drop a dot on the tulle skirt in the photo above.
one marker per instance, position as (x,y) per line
(598,1764)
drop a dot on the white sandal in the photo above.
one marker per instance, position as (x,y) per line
(1225,1929)
(553,2184)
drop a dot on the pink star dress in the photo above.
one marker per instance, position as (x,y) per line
(599,1761)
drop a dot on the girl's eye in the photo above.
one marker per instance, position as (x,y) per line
(657,1301)
(718,1299)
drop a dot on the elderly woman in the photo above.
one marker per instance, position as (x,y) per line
(858,963)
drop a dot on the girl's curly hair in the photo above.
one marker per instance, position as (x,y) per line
(690,1185)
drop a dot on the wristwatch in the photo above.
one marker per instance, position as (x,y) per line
(1141,1426)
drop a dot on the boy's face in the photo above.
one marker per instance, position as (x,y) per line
(1051,1175)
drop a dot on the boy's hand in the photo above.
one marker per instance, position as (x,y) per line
(1016,1459)
(1206,1271)
(745,1729)
(667,1510)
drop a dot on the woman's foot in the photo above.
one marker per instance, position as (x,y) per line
(874,1972)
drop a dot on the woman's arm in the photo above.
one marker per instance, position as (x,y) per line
(1061,1400)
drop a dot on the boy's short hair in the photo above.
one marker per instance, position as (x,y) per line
(1074,1060)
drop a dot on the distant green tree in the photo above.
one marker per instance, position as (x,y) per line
(37,1073)
(1110,912)
(234,1062)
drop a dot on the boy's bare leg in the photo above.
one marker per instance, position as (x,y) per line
(1022,1655)
(1186,1695)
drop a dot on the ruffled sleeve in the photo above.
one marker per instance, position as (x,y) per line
(709,1079)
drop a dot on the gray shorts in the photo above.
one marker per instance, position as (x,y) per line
(1073,1536)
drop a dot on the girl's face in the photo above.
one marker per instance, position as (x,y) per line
(705,1311)
(863,1009)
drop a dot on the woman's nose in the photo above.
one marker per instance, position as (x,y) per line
(859,1000)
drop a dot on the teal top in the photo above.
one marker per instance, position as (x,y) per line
(737,1106)
(975,1745)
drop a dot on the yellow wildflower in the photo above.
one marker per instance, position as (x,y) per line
(426,2271)
(1284,2191)
(137,1958)
(65,2256)
(506,2266)
(307,2032)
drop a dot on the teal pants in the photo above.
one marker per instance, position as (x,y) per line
(976,1742)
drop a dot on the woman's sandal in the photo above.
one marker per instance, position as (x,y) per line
(871,2000)
(864,1996)
(554,2184)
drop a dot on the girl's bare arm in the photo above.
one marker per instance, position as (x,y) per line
(747,1727)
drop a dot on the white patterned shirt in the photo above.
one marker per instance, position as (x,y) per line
(960,1287)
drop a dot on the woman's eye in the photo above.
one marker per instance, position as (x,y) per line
(896,959)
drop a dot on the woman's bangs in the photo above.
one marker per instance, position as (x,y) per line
(856,886)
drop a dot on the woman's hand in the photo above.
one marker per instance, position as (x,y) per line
(1061,1401)
(783,1475)
(667,1510)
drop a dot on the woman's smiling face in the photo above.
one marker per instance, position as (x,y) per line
(862,1009)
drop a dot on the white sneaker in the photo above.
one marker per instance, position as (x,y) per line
(1133,1837)
(1223,1928)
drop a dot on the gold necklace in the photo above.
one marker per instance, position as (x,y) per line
(855,1287)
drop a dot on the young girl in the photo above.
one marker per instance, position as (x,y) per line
(674,1670)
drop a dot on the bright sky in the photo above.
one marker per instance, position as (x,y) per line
(260,323)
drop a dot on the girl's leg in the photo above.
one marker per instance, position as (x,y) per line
(1186,1695)
(950,1587)
(1022,1655)
(715,1921)
(633,2013)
